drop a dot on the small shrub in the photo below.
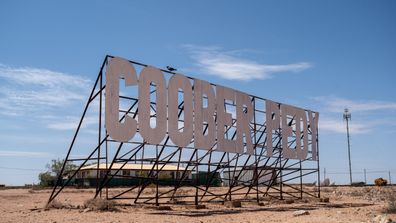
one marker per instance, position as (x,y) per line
(380,182)
(56,205)
(47,179)
(97,204)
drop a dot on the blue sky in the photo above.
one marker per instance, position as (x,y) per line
(319,55)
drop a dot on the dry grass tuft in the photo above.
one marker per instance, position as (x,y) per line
(97,204)
(181,192)
(55,204)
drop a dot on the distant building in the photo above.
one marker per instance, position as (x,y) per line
(246,176)
(132,174)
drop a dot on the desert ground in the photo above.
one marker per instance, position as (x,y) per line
(346,204)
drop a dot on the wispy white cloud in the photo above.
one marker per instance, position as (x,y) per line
(336,104)
(43,77)
(11,153)
(338,126)
(32,98)
(365,114)
(26,89)
(227,65)
(63,125)
(70,123)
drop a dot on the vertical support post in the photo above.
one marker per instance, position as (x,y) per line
(256,159)
(317,157)
(301,181)
(196,178)
(230,179)
(157,174)
(142,174)
(365,179)
(98,176)
(324,173)
(107,166)
(280,176)
(257,188)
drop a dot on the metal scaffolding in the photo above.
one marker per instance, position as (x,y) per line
(283,178)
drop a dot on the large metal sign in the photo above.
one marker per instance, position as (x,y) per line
(213,115)
(208,132)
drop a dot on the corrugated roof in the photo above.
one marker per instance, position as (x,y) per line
(133,166)
(231,169)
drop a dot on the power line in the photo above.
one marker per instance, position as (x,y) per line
(359,172)
(325,171)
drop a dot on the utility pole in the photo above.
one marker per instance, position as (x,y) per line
(347,117)
(390,180)
(365,179)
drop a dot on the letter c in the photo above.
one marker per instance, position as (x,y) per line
(118,68)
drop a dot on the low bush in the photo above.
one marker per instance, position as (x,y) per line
(55,204)
(97,204)
(380,182)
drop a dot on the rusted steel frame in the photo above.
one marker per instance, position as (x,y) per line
(274,153)
(100,134)
(74,173)
(159,155)
(257,175)
(218,166)
(270,185)
(177,173)
(257,161)
(105,180)
(300,190)
(97,93)
(76,133)
(147,178)
(317,157)
(147,182)
(283,192)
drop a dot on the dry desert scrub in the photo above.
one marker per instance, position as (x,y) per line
(55,204)
(97,204)
(380,182)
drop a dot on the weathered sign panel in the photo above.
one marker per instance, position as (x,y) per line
(213,115)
